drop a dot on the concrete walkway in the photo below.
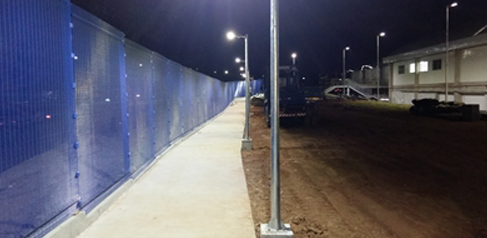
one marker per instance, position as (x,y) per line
(197,189)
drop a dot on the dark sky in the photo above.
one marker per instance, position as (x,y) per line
(192,32)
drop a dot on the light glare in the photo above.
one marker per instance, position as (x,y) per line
(455,4)
(294,55)
(423,66)
(231,35)
(412,68)
(238,60)
(382,34)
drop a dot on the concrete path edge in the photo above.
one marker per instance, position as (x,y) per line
(80,221)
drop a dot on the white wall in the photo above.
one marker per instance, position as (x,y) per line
(473,99)
(406,78)
(474,64)
(426,95)
(441,97)
(402,98)
(438,76)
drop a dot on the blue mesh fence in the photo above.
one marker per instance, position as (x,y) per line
(37,159)
(161,102)
(255,88)
(174,100)
(140,104)
(81,109)
(98,49)
(187,93)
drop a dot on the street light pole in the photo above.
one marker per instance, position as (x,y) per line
(275,221)
(344,58)
(275,228)
(382,34)
(294,55)
(447,47)
(246,141)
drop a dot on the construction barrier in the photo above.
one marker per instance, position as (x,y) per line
(82,109)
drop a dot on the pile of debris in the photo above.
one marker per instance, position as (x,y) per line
(433,107)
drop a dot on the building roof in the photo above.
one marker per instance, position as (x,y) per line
(438,49)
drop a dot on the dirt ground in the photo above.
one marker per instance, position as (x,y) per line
(363,170)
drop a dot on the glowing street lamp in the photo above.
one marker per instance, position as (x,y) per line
(242,68)
(294,56)
(382,34)
(246,141)
(226,71)
(231,35)
(344,58)
(447,49)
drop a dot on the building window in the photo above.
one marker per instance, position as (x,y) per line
(401,69)
(437,64)
(412,68)
(423,66)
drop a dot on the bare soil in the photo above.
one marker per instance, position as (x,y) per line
(373,170)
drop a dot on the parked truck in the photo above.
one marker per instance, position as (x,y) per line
(293,103)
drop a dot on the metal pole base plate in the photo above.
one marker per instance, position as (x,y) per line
(266,232)
(247,144)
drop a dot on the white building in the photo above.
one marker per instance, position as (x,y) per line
(421,73)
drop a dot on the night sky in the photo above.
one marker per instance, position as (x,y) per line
(192,32)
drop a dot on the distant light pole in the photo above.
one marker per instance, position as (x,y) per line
(382,34)
(447,49)
(344,57)
(246,141)
(294,56)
